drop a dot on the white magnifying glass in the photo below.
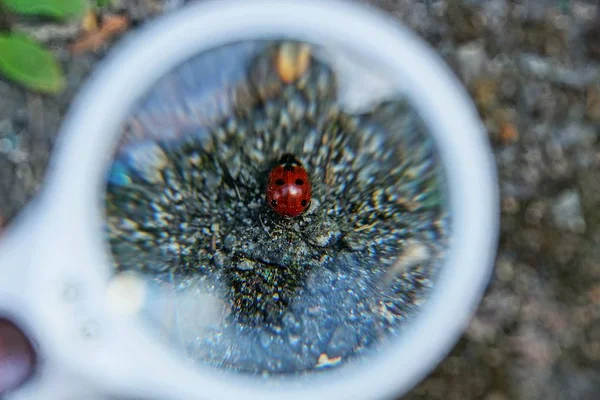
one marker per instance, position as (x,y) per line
(55,255)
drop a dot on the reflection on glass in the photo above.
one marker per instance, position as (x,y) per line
(235,281)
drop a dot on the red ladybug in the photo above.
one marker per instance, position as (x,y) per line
(288,187)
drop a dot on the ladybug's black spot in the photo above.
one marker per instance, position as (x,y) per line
(299,182)
(304,203)
(273,203)
(289,168)
(279,182)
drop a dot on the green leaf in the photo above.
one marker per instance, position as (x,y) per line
(103,3)
(24,61)
(46,8)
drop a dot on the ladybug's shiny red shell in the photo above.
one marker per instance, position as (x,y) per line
(289,188)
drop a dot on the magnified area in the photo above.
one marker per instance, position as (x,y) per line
(275,207)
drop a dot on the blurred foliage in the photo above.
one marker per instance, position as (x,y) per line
(23,60)
(103,3)
(47,8)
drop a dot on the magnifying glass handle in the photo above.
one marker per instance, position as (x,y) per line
(20,351)
(15,248)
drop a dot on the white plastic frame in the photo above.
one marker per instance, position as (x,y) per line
(60,241)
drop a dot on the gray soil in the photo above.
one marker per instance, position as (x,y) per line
(533,69)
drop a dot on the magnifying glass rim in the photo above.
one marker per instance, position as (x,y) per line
(90,131)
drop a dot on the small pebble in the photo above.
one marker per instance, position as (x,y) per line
(505,270)
(471,60)
(567,212)
(510,205)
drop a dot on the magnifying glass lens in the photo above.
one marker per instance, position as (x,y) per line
(275,206)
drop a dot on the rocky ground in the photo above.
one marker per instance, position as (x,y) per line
(533,70)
